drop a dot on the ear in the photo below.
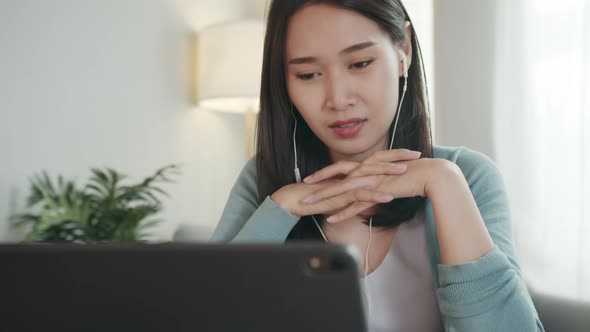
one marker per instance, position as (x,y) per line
(406,48)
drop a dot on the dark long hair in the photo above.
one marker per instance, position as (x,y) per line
(275,161)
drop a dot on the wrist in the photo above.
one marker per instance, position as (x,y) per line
(283,202)
(444,174)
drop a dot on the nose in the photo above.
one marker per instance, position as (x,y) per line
(339,94)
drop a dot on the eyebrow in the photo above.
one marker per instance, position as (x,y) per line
(348,50)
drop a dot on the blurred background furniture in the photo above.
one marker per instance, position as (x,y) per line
(560,314)
(192,233)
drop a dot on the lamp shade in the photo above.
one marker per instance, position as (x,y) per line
(229,65)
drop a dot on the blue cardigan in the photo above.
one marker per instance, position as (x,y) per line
(487,294)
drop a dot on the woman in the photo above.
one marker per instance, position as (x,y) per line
(344,104)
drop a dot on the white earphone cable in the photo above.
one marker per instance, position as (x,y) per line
(297,174)
(399,107)
(367,291)
(320,228)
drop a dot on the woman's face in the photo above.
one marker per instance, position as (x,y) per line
(342,75)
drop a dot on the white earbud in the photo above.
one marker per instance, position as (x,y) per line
(404,59)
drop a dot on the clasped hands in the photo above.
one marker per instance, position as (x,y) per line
(345,188)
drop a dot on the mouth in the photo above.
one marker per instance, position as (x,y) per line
(349,128)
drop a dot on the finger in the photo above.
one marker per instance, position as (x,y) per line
(340,202)
(379,169)
(337,189)
(393,156)
(353,210)
(369,196)
(327,206)
(368,212)
(339,168)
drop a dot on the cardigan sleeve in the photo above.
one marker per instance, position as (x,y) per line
(243,220)
(487,294)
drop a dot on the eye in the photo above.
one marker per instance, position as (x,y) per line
(307,77)
(361,65)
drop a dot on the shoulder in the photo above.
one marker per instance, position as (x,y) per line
(245,185)
(465,158)
(479,170)
(249,169)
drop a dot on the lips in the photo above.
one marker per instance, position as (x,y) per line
(347,123)
(349,128)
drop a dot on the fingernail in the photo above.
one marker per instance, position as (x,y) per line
(399,167)
(331,219)
(307,178)
(417,153)
(385,197)
(309,199)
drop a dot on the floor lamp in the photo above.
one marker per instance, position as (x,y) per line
(227,69)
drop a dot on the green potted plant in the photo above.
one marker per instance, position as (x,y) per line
(104,210)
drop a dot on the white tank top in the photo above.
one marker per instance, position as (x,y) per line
(402,293)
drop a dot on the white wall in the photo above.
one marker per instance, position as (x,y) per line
(421,12)
(464,60)
(103,83)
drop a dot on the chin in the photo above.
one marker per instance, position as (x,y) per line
(351,148)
